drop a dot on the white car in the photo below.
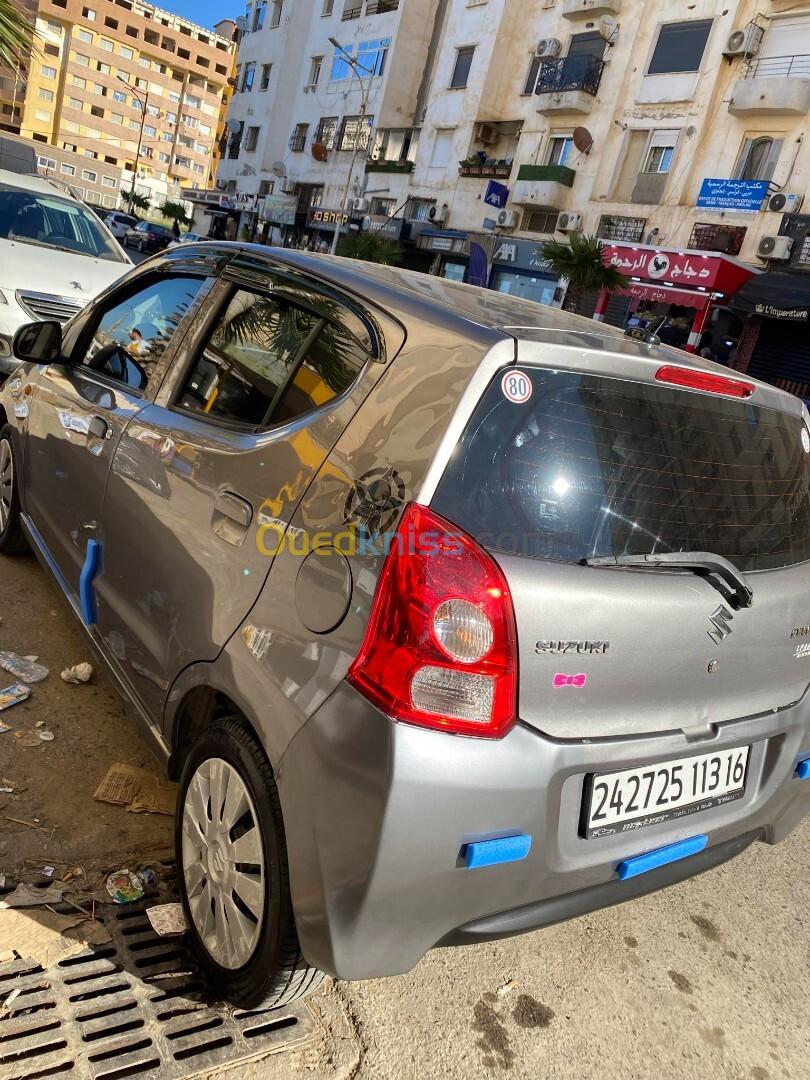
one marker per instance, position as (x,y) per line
(55,256)
(119,224)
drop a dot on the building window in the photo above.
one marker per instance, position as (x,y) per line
(560,149)
(89,14)
(680,47)
(372,55)
(383,207)
(107,181)
(725,238)
(326,10)
(126,52)
(259,13)
(120,97)
(298,139)
(46,95)
(46,165)
(442,147)
(264,81)
(315,70)
(660,152)
(85,36)
(149,131)
(248,75)
(76,103)
(275,13)
(540,221)
(103,69)
(81,59)
(251,140)
(79,82)
(531,77)
(89,175)
(68,170)
(326,132)
(629,229)
(105,45)
(461,70)
(419,209)
(43,115)
(51,50)
(48,72)
(758,158)
(96,110)
(266,187)
(355,134)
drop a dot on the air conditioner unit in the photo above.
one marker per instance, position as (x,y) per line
(548,47)
(487,133)
(784,203)
(360,206)
(438,214)
(744,42)
(569,222)
(288,187)
(508,219)
(775,248)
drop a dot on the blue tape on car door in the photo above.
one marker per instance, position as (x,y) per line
(803,768)
(87,592)
(642,864)
(505,849)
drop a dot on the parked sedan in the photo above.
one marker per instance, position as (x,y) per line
(148,236)
(188,238)
(120,224)
(453,614)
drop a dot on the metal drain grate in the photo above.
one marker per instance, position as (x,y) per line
(130,1008)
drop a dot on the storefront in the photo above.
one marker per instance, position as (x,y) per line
(775,344)
(321,224)
(516,267)
(683,295)
(276,214)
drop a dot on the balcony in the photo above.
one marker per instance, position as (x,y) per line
(499,170)
(590,9)
(774,85)
(568,84)
(542,185)
(381,165)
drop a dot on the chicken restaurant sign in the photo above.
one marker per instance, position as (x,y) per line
(675,267)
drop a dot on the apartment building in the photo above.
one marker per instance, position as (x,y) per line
(120,81)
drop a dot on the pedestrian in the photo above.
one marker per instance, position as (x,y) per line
(176,229)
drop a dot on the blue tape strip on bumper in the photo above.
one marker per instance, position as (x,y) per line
(87,594)
(803,768)
(492,852)
(642,864)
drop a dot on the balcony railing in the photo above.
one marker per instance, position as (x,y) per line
(559,174)
(502,172)
(570,73)
(381,165)
(779,67)
(298,141)
(380,7)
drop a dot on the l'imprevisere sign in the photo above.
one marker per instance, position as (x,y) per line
(676,267)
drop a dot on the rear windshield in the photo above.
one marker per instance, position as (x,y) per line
(590,466)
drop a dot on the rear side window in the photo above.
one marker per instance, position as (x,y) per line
(268,362)
(590,466)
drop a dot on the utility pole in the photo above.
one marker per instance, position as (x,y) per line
(144,102)
(366,88)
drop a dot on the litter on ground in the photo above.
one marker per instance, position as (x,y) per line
(137,789)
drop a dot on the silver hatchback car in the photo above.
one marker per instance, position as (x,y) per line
(454,615)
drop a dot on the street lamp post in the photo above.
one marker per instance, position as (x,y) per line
(144,101)
(366,88)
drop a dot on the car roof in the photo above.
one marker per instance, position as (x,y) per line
(32,182)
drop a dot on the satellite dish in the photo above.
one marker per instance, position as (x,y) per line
(366,223)
(583,140)
(233,126)
(609,29)
(279,169)
(319,151)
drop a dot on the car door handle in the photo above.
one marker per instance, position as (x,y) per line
(232,517)
(98,428)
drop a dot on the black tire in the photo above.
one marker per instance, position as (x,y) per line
(140,246)
(276,973)
(12,538)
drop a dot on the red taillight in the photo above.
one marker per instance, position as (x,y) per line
(705,380)
(440,648)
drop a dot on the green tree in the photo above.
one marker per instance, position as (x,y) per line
(371,247)
(580,262)
(175,211)
(16,36)
(134,199)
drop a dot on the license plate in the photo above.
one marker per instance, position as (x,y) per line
(622,801)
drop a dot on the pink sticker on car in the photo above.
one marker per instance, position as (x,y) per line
(577,681)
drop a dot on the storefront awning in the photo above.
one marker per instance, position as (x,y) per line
(691,269)
(775,296)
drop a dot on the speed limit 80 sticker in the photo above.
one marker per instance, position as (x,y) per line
(516,387)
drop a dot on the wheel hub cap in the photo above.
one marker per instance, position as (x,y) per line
(223,863)
(6,483)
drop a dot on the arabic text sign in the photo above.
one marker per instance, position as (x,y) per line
(673,266)
(745,196)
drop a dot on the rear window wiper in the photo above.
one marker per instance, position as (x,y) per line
(705,563)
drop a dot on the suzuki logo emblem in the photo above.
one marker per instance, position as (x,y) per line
(720,629)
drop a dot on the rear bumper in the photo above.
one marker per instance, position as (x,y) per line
(377,813)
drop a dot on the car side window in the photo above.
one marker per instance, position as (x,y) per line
(131,336)
(268,361)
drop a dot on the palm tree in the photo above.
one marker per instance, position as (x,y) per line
(16,36)
(580,261)
(371,247)
(175,211)
(134,199)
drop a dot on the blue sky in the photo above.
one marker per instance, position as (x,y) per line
(204,12)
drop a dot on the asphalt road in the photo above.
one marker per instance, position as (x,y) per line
(708,980)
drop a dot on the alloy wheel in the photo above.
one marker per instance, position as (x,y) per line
(6,483)
(223,863)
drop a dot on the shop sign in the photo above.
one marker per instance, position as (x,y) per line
(497,195)
(238,201)
(392,228)
(524,254)
(675,266)
(789,314)
(280,209)
(658,295)
(320,218)
(744,196)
